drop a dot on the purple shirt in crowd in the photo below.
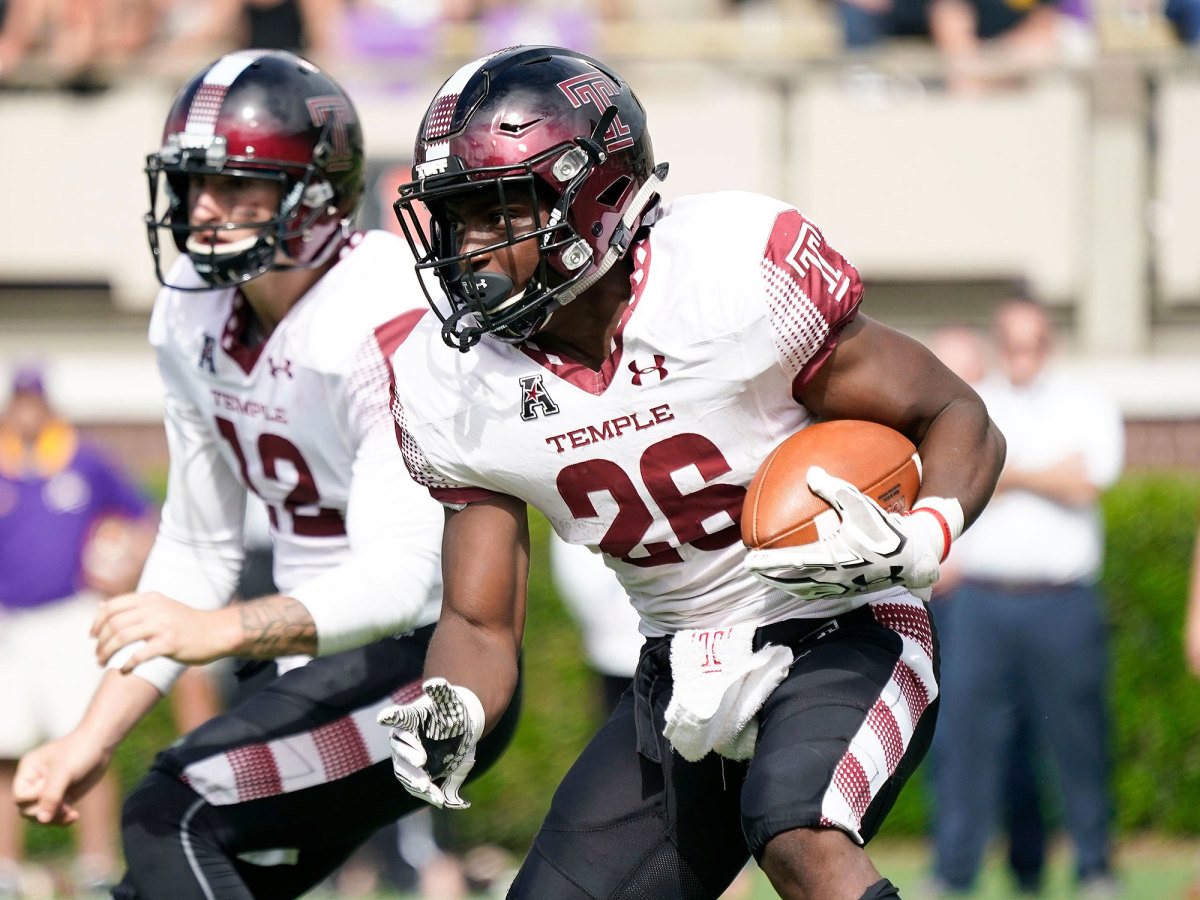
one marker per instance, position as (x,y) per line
(45,520)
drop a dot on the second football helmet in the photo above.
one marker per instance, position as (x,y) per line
(555,129)
(264,114)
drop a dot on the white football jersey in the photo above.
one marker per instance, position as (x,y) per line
(301,420)
(649,458)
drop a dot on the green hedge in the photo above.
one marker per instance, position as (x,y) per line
(1152,521)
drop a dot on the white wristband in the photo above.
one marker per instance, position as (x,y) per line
(948,516)
(474,708)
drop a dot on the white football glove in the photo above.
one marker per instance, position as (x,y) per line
(433,741)
(870,550)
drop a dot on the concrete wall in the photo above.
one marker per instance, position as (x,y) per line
(1081,183)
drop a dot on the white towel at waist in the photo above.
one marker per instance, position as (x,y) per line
(720,685)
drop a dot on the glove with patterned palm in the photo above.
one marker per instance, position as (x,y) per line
(433,741)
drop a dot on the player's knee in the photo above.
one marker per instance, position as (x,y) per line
(881,890)
(158,799)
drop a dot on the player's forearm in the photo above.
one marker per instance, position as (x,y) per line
(478,658)
(365,598)
(485,566)
(271,626)
(962,454)
(120,702)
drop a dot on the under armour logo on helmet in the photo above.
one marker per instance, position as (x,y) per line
(639,371)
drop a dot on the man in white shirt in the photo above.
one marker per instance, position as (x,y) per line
(1028,619)
(272,332)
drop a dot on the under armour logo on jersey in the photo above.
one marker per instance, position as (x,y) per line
(640,371)
(207,352)
(534,396)
(277,369)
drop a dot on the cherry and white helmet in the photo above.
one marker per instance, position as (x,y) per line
(264,114)
(555,129)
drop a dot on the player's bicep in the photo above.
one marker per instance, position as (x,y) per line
(485,566)
(879,374)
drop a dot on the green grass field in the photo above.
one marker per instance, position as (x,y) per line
(1148,869)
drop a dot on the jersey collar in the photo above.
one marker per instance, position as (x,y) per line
(591,380)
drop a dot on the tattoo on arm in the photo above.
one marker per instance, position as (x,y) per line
(276,626)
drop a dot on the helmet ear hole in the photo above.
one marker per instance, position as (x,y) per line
(615,192)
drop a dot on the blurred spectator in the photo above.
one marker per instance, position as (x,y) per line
(1184,16)
(1192,632)
(67,30)
(73,529)
(567,24)
(1191,648)
(440,874)
(867,22)
(1029,625)
(404,857)
(465,10)
(1027,33)
(965,352)
(75,37)
(982,41)
(307,27)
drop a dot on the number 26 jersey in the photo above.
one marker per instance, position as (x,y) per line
(648,459)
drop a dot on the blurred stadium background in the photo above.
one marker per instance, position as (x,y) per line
(1078,180)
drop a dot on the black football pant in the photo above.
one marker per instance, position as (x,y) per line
(837,739)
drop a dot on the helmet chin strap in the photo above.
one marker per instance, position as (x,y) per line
(621,238)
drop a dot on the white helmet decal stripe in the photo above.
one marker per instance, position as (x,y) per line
(206,104)
(441,110)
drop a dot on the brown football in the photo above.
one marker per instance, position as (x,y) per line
(780,510)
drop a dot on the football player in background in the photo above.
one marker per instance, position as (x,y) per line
(627,364)
(272,333)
